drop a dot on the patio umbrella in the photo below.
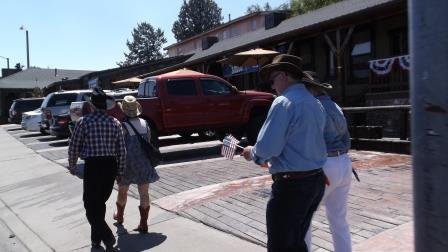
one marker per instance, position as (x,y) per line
(133,81)
(251,57)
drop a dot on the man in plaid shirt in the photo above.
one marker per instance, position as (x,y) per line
(98,139)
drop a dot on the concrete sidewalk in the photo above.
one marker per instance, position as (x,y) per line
(42,205)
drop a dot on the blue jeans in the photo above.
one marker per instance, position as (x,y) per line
(290,210)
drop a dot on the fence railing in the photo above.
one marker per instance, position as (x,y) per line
(403,112)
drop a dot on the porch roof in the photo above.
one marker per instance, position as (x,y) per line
(38,77)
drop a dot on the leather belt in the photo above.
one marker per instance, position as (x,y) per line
(295,175)
(336,153)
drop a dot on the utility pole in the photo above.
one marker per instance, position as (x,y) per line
(429,92)
(27,48)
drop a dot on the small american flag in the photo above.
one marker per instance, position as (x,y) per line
(229,145)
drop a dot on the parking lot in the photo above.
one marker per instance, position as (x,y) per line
(197,183)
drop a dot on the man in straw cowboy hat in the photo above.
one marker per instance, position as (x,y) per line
(338,167)
(98,139)
(138,168)
(291,140)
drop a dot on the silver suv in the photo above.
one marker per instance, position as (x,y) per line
(58,103)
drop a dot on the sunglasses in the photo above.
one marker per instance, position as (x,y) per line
(274,75)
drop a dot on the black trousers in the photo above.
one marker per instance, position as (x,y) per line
(290,210)
(99,177)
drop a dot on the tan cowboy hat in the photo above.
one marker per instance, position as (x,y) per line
(130,106)
(100,100)
(311,78)
(282,62)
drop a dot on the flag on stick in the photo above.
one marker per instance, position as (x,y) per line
(229,145)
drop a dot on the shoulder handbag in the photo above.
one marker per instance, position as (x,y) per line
(152,152)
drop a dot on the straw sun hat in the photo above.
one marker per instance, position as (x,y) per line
(130,106)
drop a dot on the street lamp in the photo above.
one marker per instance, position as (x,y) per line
(27,47)
(7,60)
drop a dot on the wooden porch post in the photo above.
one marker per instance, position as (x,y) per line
(338,51)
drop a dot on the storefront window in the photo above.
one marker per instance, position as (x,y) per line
(305,50)
(361,53)
(399,42)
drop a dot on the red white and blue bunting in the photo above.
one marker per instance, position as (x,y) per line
(404,61)
(384,66)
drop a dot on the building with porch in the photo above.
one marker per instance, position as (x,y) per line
(359,46)
(346,43)
(233,28)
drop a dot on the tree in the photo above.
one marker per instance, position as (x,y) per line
(257,8)
(195,17)
(145,46)
(284,7)
(37,92)
(302,6)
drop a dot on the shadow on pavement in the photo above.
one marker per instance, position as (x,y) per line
(137,242)
(31,135)
(183,140)
(15,129)
(47,139)
(63,142)
(191,155)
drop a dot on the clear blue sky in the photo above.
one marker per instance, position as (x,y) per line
(88,34)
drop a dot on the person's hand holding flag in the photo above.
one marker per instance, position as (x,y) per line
(229,145)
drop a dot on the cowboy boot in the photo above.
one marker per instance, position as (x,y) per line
(110,244)
(143,226)
(118,214)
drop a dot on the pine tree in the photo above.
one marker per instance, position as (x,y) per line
(303,6)
(145,46)
(195,17)
(257,8)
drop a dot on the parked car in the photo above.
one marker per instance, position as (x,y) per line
(185,102)
(31,120)
(59,125)
(58,103)
(21,105)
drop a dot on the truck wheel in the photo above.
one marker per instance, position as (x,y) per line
(254,127)
(154,136)
(42,131)
(207,134)
(185,135)
(219,135)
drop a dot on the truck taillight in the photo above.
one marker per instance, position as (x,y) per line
(61,121)
(48,114)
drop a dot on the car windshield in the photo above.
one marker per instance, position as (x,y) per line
(27,105)
(61,99)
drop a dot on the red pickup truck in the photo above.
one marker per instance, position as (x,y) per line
(185,102)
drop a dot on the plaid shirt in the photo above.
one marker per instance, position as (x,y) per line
(97,134)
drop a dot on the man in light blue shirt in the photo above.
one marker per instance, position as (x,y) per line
(291,141)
